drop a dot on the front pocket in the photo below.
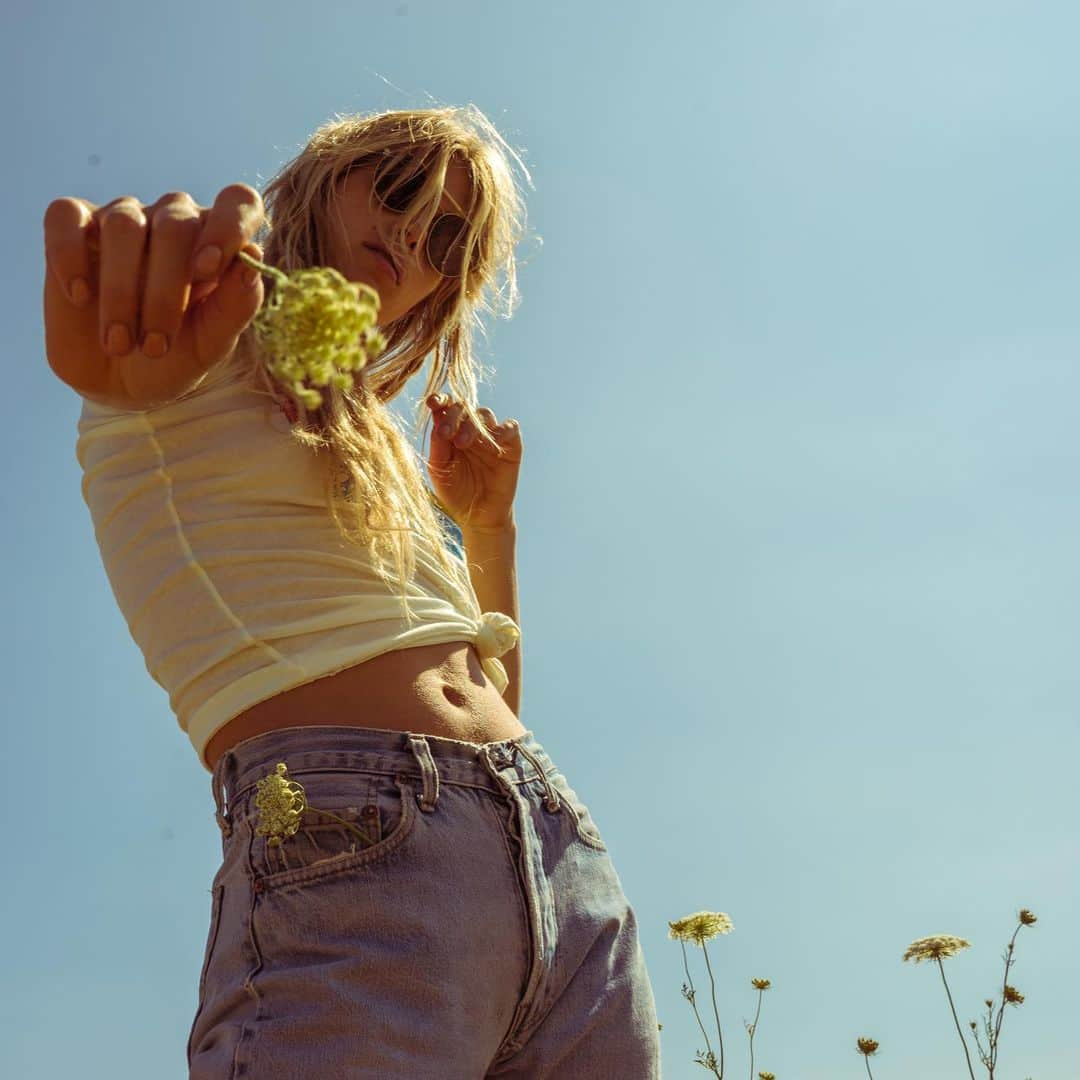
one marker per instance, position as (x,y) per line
(379,814)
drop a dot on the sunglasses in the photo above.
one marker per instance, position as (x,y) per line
(445,245)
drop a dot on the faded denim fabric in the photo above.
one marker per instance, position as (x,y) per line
(469,924)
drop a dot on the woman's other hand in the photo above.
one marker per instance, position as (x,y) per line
(475,482)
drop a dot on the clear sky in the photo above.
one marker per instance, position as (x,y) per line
(795,366)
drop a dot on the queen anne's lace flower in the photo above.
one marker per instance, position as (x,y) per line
(936,947)
(315,327)
(700,926)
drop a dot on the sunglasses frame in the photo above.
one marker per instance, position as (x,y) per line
(462,229)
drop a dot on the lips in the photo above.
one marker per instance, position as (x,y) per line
(388,257)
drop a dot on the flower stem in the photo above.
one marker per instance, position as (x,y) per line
(753,1031)
(347,824)
(963,1041)
(693,997)
(269,271)
(719,1033)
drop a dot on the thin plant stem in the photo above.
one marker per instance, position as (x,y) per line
(753,1030)
(693,1002)
(1001,1011)
(963,1041)
(716,1013)
(866,1058)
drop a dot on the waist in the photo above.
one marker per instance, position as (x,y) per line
(436,690)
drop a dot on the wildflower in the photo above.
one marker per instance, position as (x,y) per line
(311,325)
(281,803)
(867,1046)
(935,947)
(700,927)
(766,1076)
(1026,917)
(761,984)
(1013,996)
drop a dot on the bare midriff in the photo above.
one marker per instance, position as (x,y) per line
(432,690)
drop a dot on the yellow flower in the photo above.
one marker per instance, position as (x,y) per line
(1026,917)
(1013,996)
(700,926)
(281,802)
(867,1046)
(310,328)
(761,984)
(935,947)
(766,1076)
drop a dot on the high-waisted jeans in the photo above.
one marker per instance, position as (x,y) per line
(466,922)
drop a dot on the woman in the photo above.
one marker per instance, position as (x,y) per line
(409,886)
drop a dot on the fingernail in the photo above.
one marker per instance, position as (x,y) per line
(118,340)
(209,259)
(155,345)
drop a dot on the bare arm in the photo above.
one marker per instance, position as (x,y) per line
(491,558)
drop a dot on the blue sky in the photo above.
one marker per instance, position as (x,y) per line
(795,370)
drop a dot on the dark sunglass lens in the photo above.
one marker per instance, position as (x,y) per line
(403,193)
(446,244)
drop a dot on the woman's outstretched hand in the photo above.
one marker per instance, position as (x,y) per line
(132,314)
(474,481)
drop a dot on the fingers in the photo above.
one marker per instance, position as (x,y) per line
(233,221)
(174,227)
(452,423)
(67,223)
(145,265)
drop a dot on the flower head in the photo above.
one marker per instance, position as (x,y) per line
(281,803)
(316,327)
(761,984)
(766,1076)
(700,926)
(935,947)
(1026,917)
(867,1046)
(1013,996)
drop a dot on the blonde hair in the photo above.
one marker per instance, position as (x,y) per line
(375,488)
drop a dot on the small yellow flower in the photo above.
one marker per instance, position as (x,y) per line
(1026,917)
(766,1076)
(281,803)
(761,984)
(935,947)
(1013,996)
(700,927)
(310,328)
(867,1046)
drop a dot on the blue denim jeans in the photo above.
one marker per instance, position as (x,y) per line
(458,918)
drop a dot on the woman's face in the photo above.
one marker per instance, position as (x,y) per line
(354,226)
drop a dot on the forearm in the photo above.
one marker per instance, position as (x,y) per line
(491,558)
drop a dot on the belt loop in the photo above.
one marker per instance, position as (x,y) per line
(217,788)
(553,801)
(422,752)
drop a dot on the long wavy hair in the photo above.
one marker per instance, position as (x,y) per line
(375,488)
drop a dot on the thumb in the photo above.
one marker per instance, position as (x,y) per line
(221,317)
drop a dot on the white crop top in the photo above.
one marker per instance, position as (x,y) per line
(228,568)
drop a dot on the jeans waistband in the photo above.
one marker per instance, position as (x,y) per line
(432,759)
